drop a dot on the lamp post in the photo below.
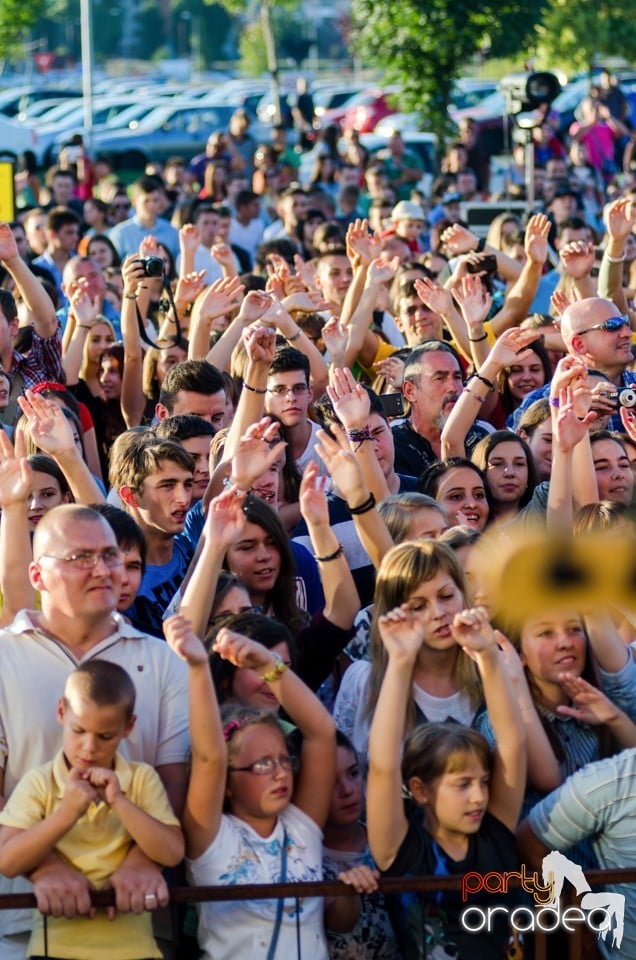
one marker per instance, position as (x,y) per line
(86,15)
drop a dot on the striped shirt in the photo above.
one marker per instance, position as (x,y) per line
(598,802)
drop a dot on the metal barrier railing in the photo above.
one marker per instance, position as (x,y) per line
(334,888)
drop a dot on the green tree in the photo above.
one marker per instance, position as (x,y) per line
(17,17)
(574,34)
(423,44)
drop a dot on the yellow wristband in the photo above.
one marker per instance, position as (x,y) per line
(276,671)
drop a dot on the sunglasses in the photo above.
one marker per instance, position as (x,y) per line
(611,325)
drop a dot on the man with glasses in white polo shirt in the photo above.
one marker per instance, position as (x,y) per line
(77,570)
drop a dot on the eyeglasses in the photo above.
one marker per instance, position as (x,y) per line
(88,561)
(298,389)
(266,766)
(611,325)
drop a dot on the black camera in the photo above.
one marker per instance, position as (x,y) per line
(153,266)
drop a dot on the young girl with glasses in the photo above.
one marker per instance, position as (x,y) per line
(248,819)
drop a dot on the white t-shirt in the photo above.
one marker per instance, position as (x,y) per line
(243,928)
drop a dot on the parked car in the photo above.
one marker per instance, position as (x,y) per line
(366,110)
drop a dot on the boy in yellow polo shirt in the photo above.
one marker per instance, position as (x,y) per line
(89,806)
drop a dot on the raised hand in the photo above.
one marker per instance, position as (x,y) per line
(313,496)
(362,246)
(223,254)
(254,306)
(473,300)
(621,217)
(560,301)
(183,640)
(189,287)
(363,879)
(306,273)
(381,271)
(590,705)
(402,634)
(536,238)
(148,247)
(342,465)
(225,519)
(434,296)
(50,430)
(84,309)
(306,301)
(15,473)
(335,337)
(511,344)
(260,343)
(568,369)
(243,652)
(472,631)
(8,248)
(392,369)
(189,237)
(459,240)
(256,452)
(349,399)
(578,258)
(221,297)
(568,428)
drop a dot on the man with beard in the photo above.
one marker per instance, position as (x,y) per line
(433,381)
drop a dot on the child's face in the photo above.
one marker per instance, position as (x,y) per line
(251,691)
(347,798)
(131,575)
(551,644)
(435,603)
(426,522)
(258,798)
(91,734)
(456,802)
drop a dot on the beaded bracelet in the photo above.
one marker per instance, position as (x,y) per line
(253,389)
(332,556)
(487,383)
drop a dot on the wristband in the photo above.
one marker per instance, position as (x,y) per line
(276,671)
(488,383)
(478,339)
(83,326)
(614,259)
(481,244)
(358,437)
(368,504)
(554,402)
(253,389)
(130,296)
(296,336)
(332,556)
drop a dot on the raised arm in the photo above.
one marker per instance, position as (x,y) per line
(133,400)
(347,475)
(206,789)
(474,394)
(52,432)
(363,343)
(621,216)
(217,300)
(386,821)
(15,540)
(224,523)
(342,602)
(314,784)
(472,631)
(45,322)
(520,297)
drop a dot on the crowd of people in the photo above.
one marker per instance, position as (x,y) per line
(258,441)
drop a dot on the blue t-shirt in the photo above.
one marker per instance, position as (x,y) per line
(158,587)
